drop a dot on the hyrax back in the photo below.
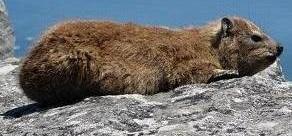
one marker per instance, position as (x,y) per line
(77,59)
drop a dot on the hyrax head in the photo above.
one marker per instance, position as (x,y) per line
(245,47)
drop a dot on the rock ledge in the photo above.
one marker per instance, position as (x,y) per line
(256,105)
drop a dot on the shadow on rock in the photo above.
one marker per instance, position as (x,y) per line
(32,108)
(24,110)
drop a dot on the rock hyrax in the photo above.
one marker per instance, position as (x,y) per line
(76,59)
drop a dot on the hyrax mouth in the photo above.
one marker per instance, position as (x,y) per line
(271,57)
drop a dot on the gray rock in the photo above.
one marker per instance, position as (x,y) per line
(256,105)
(7,40)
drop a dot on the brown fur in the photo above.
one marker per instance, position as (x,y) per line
(77,59)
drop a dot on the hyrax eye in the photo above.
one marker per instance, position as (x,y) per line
(256,38)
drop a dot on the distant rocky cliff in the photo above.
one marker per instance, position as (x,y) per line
(7,39)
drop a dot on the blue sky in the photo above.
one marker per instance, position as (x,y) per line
(31,17)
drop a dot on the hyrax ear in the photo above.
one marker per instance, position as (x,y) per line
(226,25)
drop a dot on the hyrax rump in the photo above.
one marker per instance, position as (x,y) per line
(76,59)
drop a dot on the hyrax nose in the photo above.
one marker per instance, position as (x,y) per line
(279,50)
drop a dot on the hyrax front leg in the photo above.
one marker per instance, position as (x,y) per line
(191,72)
(220,74)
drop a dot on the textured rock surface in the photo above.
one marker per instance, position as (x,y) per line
(257,105)
(7,39)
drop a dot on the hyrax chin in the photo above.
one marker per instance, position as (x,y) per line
(76,59)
